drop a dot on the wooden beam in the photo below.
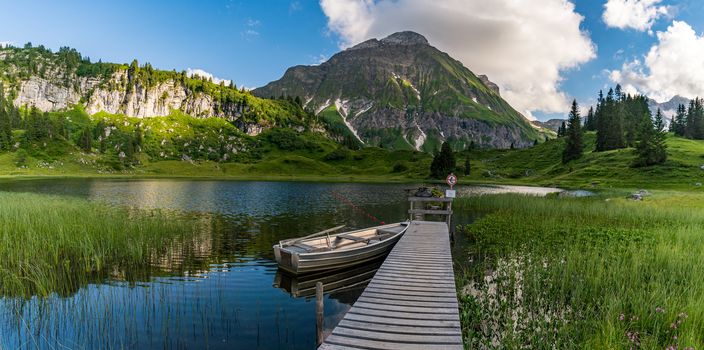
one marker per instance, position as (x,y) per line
(429,199)
(430,212)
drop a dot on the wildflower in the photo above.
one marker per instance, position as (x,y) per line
(660,310)
(621,317)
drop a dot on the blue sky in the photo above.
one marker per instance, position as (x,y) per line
(253,42)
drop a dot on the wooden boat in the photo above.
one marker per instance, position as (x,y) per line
(325,251)
(334,281)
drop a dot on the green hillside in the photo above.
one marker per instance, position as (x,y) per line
(542,165)
(53,144)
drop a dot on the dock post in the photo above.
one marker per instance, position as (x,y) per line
(449,222)
(319,312)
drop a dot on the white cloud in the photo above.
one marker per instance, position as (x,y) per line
(522,47)
(250,33)
(634,14)
(673,66)
(294,6)
(199,72)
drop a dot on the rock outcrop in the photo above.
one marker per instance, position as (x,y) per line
(36,77)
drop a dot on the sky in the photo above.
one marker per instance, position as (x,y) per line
(542,53)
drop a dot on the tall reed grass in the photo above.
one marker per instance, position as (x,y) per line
(57,244)
(589,273)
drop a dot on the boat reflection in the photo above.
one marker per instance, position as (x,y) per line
(334,281)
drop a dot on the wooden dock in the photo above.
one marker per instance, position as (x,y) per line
(411,303)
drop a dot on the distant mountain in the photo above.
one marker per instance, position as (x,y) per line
(669,108)
(552,124)
(400,92)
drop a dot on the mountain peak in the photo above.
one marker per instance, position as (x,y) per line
(405,38)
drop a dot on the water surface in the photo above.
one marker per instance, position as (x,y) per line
(217,289)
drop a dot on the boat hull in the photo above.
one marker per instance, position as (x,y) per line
(302,263)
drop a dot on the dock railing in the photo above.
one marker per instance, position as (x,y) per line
(419,209)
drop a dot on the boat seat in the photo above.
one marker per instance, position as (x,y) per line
(309,248)
(353,238)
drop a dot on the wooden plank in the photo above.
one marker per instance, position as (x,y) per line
(405,277)
(395,296)
(401,321)
(403,315)
(395,286)
(430,211)
(407,272)
(375,344)
(428,303)
(429,199)
(352,238)
(423,264)
(412,292)
(448,283)
(326,346)
(400,329)
(411,302)
(402,308)
(383,335)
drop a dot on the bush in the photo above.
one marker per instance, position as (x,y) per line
(341,153)
(287,140)
(399,168)
(20,157)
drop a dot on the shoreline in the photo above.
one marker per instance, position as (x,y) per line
(567,185)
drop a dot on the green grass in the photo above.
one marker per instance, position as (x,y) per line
(571,273)
(178,145)
(541,165)
(58,244)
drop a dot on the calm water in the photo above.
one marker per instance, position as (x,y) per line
(218,289)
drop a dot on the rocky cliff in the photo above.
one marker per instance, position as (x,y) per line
(51,82)
(401,92)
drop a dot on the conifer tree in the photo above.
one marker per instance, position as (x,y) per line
(590,120)
(85,141)
(562,129)
(573,143)
(679,121)
(650,147)
(443,162)
(659,139)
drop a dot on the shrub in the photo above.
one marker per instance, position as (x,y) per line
(399,168)
(341,153)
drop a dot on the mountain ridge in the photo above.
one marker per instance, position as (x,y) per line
(401,92)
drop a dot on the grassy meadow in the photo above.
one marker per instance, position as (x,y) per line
(583,273)
(58,244)
(542,165)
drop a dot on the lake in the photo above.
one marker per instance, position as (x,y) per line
(218,289)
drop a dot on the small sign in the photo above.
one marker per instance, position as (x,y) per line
(451,180)
(450,193)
